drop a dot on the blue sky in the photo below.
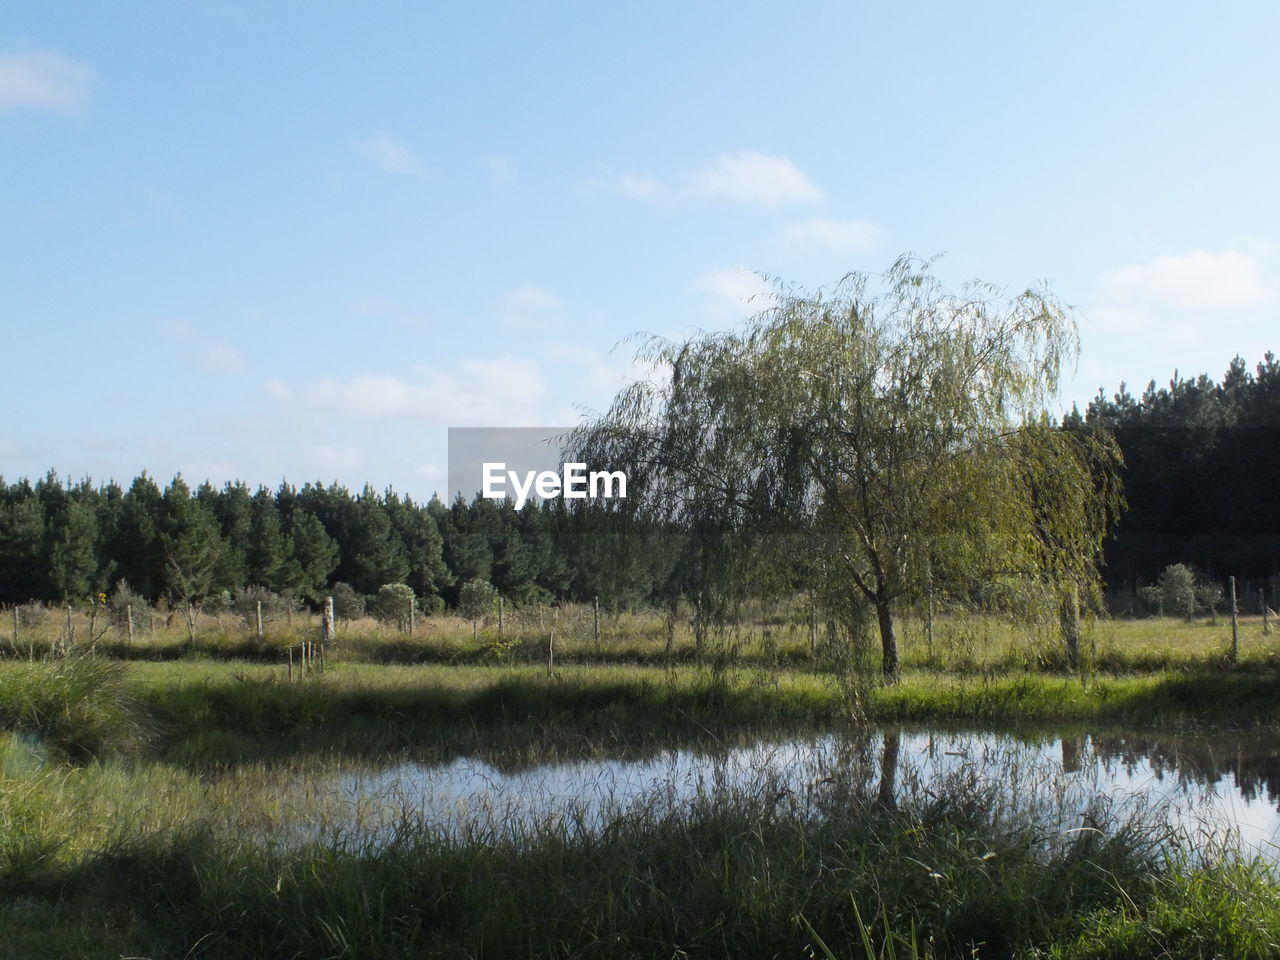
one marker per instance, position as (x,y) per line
(287,240)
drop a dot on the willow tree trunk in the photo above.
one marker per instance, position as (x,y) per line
(1069,619)
(888,641)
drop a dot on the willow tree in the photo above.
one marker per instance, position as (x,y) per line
(891,431)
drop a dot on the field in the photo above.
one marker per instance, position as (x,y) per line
(166,800)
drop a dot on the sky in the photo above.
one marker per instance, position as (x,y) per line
(299,241)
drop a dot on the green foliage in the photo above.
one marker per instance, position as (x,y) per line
(1200,458)
(476,600)
(347,603)
(890,432)
(394,603)
(1178,589)
(275,606)
(81,706)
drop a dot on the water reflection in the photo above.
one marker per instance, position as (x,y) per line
(1213,787)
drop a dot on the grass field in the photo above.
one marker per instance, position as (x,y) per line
(963,644)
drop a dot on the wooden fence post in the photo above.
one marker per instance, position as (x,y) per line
(261,635)
(595,622)
(501,605)
(551,651)
(128,615)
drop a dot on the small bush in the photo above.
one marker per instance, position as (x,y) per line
(476,600)
(125,603)
(275,606)
(1178,589)
(394,603)
(347,603)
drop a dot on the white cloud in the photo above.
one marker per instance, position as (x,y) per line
(223,358)
(745,177)
(837,236)
(277,389)
(391,155)
(529,306)
(504,391)
(603,374)
(1199,280)
(1115,318)
(42,80)
(754,179)
(737,291)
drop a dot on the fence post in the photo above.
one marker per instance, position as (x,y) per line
(595,622)
(128,615)
(15,630)
(260,632)
(551,651)
(501,605)
(1235,623)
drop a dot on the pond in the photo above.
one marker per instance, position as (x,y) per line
(1210,788)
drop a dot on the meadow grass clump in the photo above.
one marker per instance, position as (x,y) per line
(81,706)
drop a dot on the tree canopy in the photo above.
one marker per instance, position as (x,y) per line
(889,430)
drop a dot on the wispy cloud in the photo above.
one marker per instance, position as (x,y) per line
(223,359)
(747,178)
(1198,281)
(753,179)
(737,292)
(835,236)
(602,374)
(529,306)
(392,155)
(504,390)
(43,80)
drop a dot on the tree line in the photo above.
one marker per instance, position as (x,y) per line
(64,540)
(1201,477)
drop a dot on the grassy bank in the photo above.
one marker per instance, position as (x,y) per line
(202,712)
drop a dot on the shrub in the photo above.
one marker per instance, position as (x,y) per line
(476,600)
(394,603)
(347,604)
(1151,597)
(1178,589)
(275,606)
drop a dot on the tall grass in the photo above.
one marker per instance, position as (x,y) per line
(963,643)
(81,706)
(762,871)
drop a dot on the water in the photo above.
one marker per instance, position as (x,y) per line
(1211,788)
